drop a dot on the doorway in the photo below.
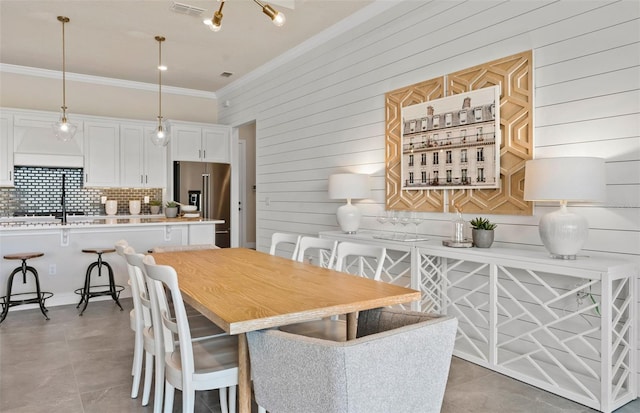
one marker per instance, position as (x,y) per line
(247,184)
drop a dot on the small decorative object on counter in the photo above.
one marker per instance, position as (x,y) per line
(111,207)
(134,207)
(171,209)
(458,225)
(459,233)
(482,232)
(154,206)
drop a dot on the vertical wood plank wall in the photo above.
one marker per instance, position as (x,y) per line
(323,112)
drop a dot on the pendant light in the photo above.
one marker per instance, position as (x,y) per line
(160,135)
(63,130)
(215,23)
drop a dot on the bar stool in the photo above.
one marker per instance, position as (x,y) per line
(90,291)
(40,296)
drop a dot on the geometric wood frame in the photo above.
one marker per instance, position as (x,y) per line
(514,74)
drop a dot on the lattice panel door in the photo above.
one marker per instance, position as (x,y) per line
(544,338)
(460,288)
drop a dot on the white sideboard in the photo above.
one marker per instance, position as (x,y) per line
(568,327)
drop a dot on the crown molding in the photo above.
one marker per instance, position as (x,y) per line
(104,81)
(357,18)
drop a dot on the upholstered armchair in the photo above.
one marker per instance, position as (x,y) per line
(399,362)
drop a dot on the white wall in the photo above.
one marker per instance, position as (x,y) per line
(324,112)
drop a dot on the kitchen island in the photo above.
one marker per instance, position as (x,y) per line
(62,268)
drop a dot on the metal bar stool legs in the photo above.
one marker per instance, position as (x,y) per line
(40,296)
(86,292)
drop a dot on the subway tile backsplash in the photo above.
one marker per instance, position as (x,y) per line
(39,189)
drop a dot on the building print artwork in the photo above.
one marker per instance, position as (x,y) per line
(452,142)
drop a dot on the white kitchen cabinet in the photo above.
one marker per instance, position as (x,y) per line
(34,143)
(102,153)
(142,164)
(6,150)
(215,144)
(200,142)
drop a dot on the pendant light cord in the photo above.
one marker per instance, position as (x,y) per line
(159,81)
(160,39)
(64,70)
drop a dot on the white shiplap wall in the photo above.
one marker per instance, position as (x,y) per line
(323,112)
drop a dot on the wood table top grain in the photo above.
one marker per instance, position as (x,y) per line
(244,290)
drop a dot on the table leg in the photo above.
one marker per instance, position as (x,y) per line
(352,325)
(244,375)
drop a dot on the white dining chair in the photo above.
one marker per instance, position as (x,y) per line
(360,259)
(290,240)
(324,250)
(136,321)
(190,365)
(151,338)
(357,259)
(138,284)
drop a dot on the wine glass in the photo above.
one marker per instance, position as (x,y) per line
(404,221)
(382,218)
(416,220)
(394,221)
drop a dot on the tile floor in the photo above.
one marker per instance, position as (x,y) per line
(83,364)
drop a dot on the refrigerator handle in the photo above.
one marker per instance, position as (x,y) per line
(206,195)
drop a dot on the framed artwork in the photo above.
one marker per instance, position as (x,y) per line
(452,142)
(511,78)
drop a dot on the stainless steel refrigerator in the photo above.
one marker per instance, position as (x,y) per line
(208,186)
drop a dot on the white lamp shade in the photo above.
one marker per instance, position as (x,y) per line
(581,179)
(349,186)
(565,179)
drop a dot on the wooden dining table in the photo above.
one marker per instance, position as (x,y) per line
(244,290)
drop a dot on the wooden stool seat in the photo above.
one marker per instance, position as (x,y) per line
(89,291)
(34,297)
(23,255)
(98,250)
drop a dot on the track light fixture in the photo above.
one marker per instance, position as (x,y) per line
(215,23)
(276,17)
(63,130)
(160,135)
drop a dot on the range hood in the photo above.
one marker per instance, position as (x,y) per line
(35,145)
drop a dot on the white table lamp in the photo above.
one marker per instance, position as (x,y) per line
(348,186)
(576,179)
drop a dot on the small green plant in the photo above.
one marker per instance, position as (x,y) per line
(482,223)
(171,204)
(155,202)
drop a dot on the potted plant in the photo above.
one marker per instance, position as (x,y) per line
(171,209)
(482,232)
(154,206)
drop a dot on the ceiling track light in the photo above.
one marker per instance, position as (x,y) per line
(276,17)
(63,130)
(215,23)
(160,135)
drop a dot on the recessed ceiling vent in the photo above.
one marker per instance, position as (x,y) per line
(226,74)
(186,9)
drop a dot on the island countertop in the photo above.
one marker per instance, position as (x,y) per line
(101,221)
